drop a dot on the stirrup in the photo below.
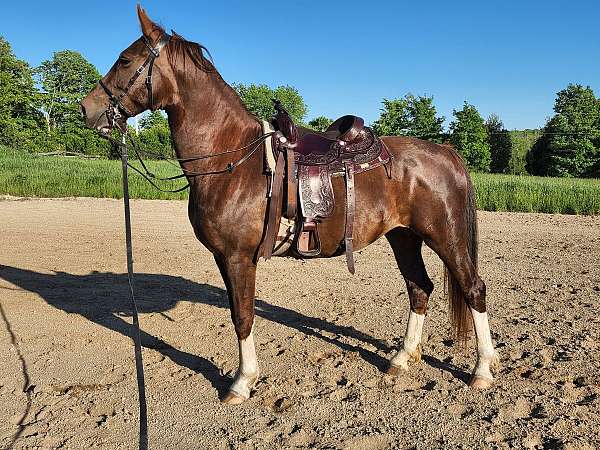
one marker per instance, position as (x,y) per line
(309,244)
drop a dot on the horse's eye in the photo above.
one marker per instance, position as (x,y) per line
(124,61)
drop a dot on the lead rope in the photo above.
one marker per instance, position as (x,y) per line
(121,148)
(135,332)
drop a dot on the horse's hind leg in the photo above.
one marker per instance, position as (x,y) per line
(407,250)
(467,290)
(474,291)
(239,275)
(487,358)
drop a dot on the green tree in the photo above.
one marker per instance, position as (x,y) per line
(522,143)
(320,123)
(19,114)
(394,119)
(500,144)
(410,116)
(155,134)
(424,123)
(153,119)
(65,80)
(469,138)
(258,100)
(570,144)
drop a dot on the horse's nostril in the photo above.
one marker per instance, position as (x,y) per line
(83,111)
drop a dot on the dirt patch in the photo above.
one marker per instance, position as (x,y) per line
(66,366)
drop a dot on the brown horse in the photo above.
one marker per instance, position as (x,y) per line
(428,198)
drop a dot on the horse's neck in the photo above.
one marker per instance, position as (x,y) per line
(209,118)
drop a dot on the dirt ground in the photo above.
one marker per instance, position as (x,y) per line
(67,375)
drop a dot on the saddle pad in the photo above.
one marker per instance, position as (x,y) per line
(287,227)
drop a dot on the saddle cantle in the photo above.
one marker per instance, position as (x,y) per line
(305,162)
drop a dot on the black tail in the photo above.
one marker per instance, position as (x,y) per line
(460,315)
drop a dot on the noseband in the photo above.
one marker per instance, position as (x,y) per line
(117,109)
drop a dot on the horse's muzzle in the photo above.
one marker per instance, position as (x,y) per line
(94,114)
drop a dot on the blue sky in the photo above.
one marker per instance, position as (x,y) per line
(505,57)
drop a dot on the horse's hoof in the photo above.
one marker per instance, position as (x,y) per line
(394,370)
(233,399)
(480,383)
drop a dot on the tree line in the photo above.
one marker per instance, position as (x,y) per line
(39,112)
(568,145)
(39,107)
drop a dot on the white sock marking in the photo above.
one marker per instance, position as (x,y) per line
(485,348)
(247,373)
(412,340)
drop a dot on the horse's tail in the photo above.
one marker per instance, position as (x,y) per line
(460,315)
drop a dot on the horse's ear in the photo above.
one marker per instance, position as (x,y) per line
(147,25)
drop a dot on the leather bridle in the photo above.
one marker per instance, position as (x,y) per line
(116,109)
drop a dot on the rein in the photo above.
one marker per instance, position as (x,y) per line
(136,335)
(150,176)
(122,150)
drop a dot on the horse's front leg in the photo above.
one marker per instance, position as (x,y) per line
(239,274)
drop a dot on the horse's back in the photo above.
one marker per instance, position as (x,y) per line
(429,157)
(416,187)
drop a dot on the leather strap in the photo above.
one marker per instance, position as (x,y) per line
(292,187)
(148,84)
(350,205)
(274,207)
(117,100)
(135,332)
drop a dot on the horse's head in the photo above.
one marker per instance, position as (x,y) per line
(140,79)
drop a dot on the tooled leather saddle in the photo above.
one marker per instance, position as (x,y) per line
(305,162)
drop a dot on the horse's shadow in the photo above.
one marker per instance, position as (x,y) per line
(102,297)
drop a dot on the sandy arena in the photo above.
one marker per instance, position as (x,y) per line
(67,376)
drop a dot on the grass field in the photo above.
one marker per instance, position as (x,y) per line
(26,175)
(34,176)
(537,194)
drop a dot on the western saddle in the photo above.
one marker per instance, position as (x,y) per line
(305,161)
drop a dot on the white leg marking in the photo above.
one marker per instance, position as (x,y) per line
(247,373)
(486,355)
(412,342)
